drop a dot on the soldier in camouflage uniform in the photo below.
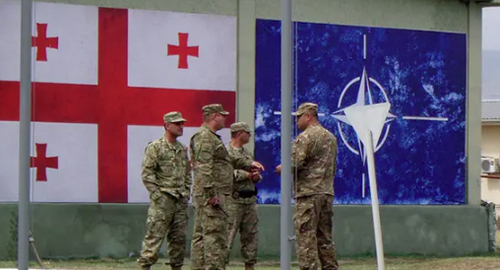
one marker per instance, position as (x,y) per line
(212,183)
(242,206)
(166,174)
(314,156)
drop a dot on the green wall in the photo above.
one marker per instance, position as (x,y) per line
(86,230)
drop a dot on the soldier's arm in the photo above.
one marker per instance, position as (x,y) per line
(204,152)
(149,165)
(187,179)
(241,162)
(240,175)
(335,149)
(299,152)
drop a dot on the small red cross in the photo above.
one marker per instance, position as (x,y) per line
(42,162)
(182,50)
(42,42)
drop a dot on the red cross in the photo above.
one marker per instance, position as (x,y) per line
(42,162)
(111,104)
(182,50)
(42,42)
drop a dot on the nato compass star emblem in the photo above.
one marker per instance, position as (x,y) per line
(381,118)
(377,109)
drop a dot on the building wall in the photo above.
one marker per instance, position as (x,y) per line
(490,143)
(116,230)
(490,146)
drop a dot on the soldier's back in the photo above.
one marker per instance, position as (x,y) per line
(211,162)
(317,177)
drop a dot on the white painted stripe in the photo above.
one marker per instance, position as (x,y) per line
(425,118)
(363,186)
(364,46)
(491,100)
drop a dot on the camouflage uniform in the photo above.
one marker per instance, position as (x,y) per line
(242,206)
(166,174)
(213,176)
(314,155)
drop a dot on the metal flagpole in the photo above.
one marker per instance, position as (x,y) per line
(24,137)
(368,121)
(374,196)
(286,136)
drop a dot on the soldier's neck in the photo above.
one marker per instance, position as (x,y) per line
(313,123)
(170,137)
(211,126)
(236,143)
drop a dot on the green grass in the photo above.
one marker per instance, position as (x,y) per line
(414,262)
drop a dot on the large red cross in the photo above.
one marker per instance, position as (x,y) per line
(111,104)
(42,42)
(182,50)
(42,162)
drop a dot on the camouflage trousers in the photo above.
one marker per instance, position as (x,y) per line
(167,216)
(243,219)
(209,243)
(313,224)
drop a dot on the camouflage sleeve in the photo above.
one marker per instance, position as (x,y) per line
(335,149)
(149,165)
(187,178)
(299,152)
(241,162)
(240,175)
(203,162)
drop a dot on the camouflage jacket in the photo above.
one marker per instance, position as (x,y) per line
(314,155)
(166,168)
(212,165)
(241,181)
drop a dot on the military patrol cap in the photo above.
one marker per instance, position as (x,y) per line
(307,107)
(240,126)
(214,108)
(173,117)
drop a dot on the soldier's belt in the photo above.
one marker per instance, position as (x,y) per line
(245,193)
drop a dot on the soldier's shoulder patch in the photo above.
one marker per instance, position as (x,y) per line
(151,144)
(200,136)
(147,145)
(303,136)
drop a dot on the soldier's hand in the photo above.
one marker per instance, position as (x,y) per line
(256,177)
(257,165)
(278,169)
(214,201)
(253,175)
